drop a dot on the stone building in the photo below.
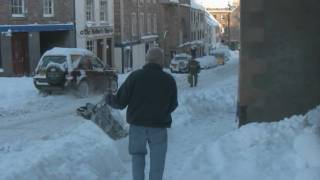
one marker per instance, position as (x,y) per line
(94,26)
(136,30)
(279,59)
(223,16)
(29,28)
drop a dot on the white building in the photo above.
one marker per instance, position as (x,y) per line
(213,33)
(94,24)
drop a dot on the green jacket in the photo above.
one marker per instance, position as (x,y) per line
(194,67)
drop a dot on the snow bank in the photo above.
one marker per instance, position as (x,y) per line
(83,152)
(285,150)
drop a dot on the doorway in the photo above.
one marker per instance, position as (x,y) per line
(20,61)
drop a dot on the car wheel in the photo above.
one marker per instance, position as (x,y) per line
(83,89)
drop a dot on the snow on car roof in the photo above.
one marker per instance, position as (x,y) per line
(67,51)
(182,55)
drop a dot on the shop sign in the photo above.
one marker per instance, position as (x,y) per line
(96,30)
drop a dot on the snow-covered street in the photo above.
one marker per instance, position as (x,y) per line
(43,138)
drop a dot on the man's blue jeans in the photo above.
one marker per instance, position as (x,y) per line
(157,140)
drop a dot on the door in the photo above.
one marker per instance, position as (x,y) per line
(100,49)
(20,61)
(109,52)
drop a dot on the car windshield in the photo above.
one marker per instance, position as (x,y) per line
(180,58)
(54,59)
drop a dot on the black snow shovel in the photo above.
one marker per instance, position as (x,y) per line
(108,119)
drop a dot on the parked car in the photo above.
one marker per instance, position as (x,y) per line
(73,69)
(207,62)
(222,54)
(180,62)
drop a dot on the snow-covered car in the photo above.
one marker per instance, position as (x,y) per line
(180,62)
(222,54)
(73,69)
(207,62)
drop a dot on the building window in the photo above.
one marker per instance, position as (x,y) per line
(141,1)
(134,24)
(48,8)
(17,8)
(89,10)
(149,23)
(155,23)
(103,10)
(90,45)
(141,24)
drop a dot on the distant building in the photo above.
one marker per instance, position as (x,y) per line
(29,28)
(136,30)
(223,16)
(94,24)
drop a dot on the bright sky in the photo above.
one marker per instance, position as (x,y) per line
(214,3)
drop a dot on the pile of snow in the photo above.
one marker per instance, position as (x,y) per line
(286,150)
(82,152)
(207,62)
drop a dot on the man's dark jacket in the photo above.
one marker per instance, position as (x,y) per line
(151,97)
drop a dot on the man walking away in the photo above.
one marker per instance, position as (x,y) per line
(151,96)
(194,69)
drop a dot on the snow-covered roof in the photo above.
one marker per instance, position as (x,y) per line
(196,5)
(211,20)
(182,55)
(66,51)
(191,43)
(149,37)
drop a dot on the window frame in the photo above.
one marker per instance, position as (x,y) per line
(89,9)
(134,22)
(23,11)
(90,45)
(44,8)
(103,10)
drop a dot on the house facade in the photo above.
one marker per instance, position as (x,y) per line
(175,27)
(136,30)
(29,28)
(94,28)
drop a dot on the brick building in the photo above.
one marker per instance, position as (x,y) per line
(135,31)
(29,28)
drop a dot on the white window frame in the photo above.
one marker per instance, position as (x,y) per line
(89,15)
(155,23)
(45,3)
(134,23)
(90,45)
(141,24)
(22,6)
(103,11)
(149,28)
